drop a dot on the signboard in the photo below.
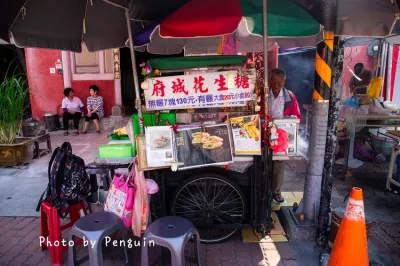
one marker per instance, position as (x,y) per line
(117,64)
(246,135)
(218,89)
(203,146)
(141,154)
(159,146)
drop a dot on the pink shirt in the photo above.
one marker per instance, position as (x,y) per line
(73,105)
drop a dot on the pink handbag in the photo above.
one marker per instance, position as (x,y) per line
(121,197)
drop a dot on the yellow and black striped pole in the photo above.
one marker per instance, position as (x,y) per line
(323,71)
(319,127)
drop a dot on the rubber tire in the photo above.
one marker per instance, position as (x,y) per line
(212,175)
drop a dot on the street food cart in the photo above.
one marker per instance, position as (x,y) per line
(203,142)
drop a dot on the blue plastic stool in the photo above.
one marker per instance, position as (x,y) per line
(95,227)
(173,233)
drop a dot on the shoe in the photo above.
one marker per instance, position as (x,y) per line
(84,132)
(76,133)
(66,133)
(278,198)
(98,131)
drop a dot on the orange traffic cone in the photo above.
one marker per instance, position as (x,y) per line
(350,247)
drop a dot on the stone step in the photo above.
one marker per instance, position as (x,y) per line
(106,123)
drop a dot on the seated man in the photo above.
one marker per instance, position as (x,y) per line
(360,86)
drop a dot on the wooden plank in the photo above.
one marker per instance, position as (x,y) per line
(277,229)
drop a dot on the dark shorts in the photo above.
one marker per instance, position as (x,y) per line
(92,117)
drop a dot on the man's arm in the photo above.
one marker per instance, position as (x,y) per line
(295,108)
(352,84)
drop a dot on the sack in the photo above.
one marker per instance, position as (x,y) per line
(361,153)
(120,198)
(141,210)
(68,181)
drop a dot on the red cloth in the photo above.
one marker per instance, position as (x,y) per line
(283,142)
(203,18)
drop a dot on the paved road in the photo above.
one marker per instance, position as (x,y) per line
(20,245)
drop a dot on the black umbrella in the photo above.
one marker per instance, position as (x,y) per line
(65,24)
(356,18)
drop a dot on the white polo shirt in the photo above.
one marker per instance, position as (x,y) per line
(276,105)
(74,105)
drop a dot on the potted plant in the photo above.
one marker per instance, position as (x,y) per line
(13,151)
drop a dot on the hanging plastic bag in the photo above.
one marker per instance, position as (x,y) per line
(374,87)
(120,198)
(152,187)
(351,102)
(140,213)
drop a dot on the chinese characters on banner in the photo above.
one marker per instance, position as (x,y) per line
(117,64)
(229,88)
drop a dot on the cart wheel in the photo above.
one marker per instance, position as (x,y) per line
(209,200)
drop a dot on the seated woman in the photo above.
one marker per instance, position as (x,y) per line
(95,108)
(73,108)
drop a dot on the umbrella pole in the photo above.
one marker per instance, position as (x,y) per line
(266,178)
(134,71)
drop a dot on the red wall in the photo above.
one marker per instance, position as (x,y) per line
(352,56)
(81,89)
(45,88)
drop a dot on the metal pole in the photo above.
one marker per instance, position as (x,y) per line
(384,62)
(322,85)
(389,72)
(265,47)
(331,140)
(134,71)
(266,178)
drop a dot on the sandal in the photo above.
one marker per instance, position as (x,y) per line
(84,132)
(65,133)
(76,133)
(98,131)
(278,198)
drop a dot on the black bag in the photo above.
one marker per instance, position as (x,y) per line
(68,181)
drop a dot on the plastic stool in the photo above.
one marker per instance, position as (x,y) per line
(173,233)
(51,228)
(94,228)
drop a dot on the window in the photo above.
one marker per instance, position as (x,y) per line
(86,62)
(108,61)
(92,65)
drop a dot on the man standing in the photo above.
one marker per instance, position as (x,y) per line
(282,103)
(360,86)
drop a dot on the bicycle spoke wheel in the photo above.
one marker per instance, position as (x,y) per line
(210,201)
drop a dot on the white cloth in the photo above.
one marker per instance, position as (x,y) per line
(276,105)
(73,105)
